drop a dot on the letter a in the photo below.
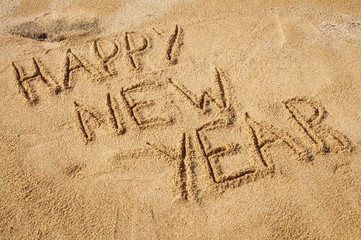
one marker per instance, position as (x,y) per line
(72,63)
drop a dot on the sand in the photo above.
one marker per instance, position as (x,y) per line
(180,119)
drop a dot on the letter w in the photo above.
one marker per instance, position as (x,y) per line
(206,96)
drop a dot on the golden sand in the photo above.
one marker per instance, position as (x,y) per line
(180,119)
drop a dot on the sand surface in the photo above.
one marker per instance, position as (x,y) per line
(180,119)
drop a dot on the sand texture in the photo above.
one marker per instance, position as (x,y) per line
(173,119)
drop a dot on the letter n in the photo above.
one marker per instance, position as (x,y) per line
(88,120)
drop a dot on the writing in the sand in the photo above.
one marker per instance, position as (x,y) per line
(132,47)
(234,146)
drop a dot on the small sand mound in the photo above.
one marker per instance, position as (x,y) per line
(54,30)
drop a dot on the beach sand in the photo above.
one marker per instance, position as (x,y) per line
(180,119)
